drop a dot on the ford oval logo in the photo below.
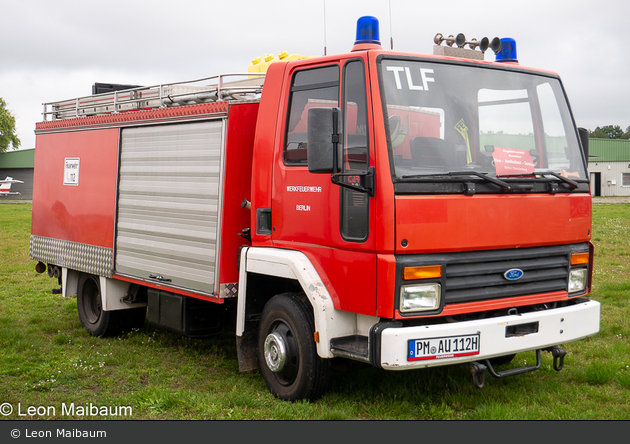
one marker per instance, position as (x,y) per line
(513,274)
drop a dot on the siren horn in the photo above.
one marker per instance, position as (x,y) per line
(461,42)
(496,45)
(439,38)
(485,43)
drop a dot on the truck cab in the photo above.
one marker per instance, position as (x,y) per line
(442,201)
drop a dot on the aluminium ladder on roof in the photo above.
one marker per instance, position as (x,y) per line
(159,96)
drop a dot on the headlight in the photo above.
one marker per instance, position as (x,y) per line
(577,280)
(420,297)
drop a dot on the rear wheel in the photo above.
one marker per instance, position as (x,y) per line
(287,352)
(97,321)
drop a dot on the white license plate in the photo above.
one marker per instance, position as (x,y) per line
(443,347)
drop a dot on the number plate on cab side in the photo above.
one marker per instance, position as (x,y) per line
(443,347)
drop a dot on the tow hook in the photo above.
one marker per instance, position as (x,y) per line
(558,357)
(478,371)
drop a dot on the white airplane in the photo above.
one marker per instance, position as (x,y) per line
(5,186)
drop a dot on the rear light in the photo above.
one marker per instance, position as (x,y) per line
(40,267)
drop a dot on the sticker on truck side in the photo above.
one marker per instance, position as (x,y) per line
(71,171)
(443,347)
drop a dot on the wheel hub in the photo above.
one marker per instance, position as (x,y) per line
(275,352)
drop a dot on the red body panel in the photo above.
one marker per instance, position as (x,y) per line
(86,213)
(483,222)
(241,125)
(385,223)
(386,280)
(306,217)
(83,213)
(267,127)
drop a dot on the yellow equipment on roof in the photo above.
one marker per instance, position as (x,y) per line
(260,64)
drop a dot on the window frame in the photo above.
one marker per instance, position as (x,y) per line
(300,88)
(344,193)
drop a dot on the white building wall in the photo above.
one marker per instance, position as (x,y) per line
(611,174)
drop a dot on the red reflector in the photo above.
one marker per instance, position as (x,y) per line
(40,267)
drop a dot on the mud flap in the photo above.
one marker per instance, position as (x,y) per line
(247,351)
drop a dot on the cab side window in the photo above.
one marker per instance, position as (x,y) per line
(310,88)
(354,204)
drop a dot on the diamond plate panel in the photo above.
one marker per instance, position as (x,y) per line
(73,255)
(228,290)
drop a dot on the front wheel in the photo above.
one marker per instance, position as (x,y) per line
(287,352)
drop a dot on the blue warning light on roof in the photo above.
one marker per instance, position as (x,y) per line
(367,30)
(508,51)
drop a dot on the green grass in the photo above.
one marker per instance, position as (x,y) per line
(47,359)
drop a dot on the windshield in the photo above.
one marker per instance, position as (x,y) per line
(446,119)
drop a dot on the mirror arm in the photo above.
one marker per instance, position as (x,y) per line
(335,140)
(367,181)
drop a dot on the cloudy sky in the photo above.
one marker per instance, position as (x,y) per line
(55,50)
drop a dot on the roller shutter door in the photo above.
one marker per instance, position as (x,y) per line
(168,205)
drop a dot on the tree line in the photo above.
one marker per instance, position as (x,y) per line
(8,135)
(609,132)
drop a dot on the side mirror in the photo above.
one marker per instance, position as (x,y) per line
(584,141)
(322,139)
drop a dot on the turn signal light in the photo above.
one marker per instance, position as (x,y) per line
(424,272)
(580,258)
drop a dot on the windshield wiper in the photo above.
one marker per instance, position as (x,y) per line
(572,183)
(483,176)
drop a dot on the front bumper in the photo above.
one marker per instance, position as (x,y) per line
(555,326)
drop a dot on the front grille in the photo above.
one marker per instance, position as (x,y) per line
(479,275)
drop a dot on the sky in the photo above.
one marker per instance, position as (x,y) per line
(56,50)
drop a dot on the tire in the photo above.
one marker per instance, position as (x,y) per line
(287,352)
(94,319)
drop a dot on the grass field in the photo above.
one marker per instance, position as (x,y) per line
(48,360)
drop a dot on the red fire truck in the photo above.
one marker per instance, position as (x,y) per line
(402,210)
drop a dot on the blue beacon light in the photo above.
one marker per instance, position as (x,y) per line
(508,51)
(367,30)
